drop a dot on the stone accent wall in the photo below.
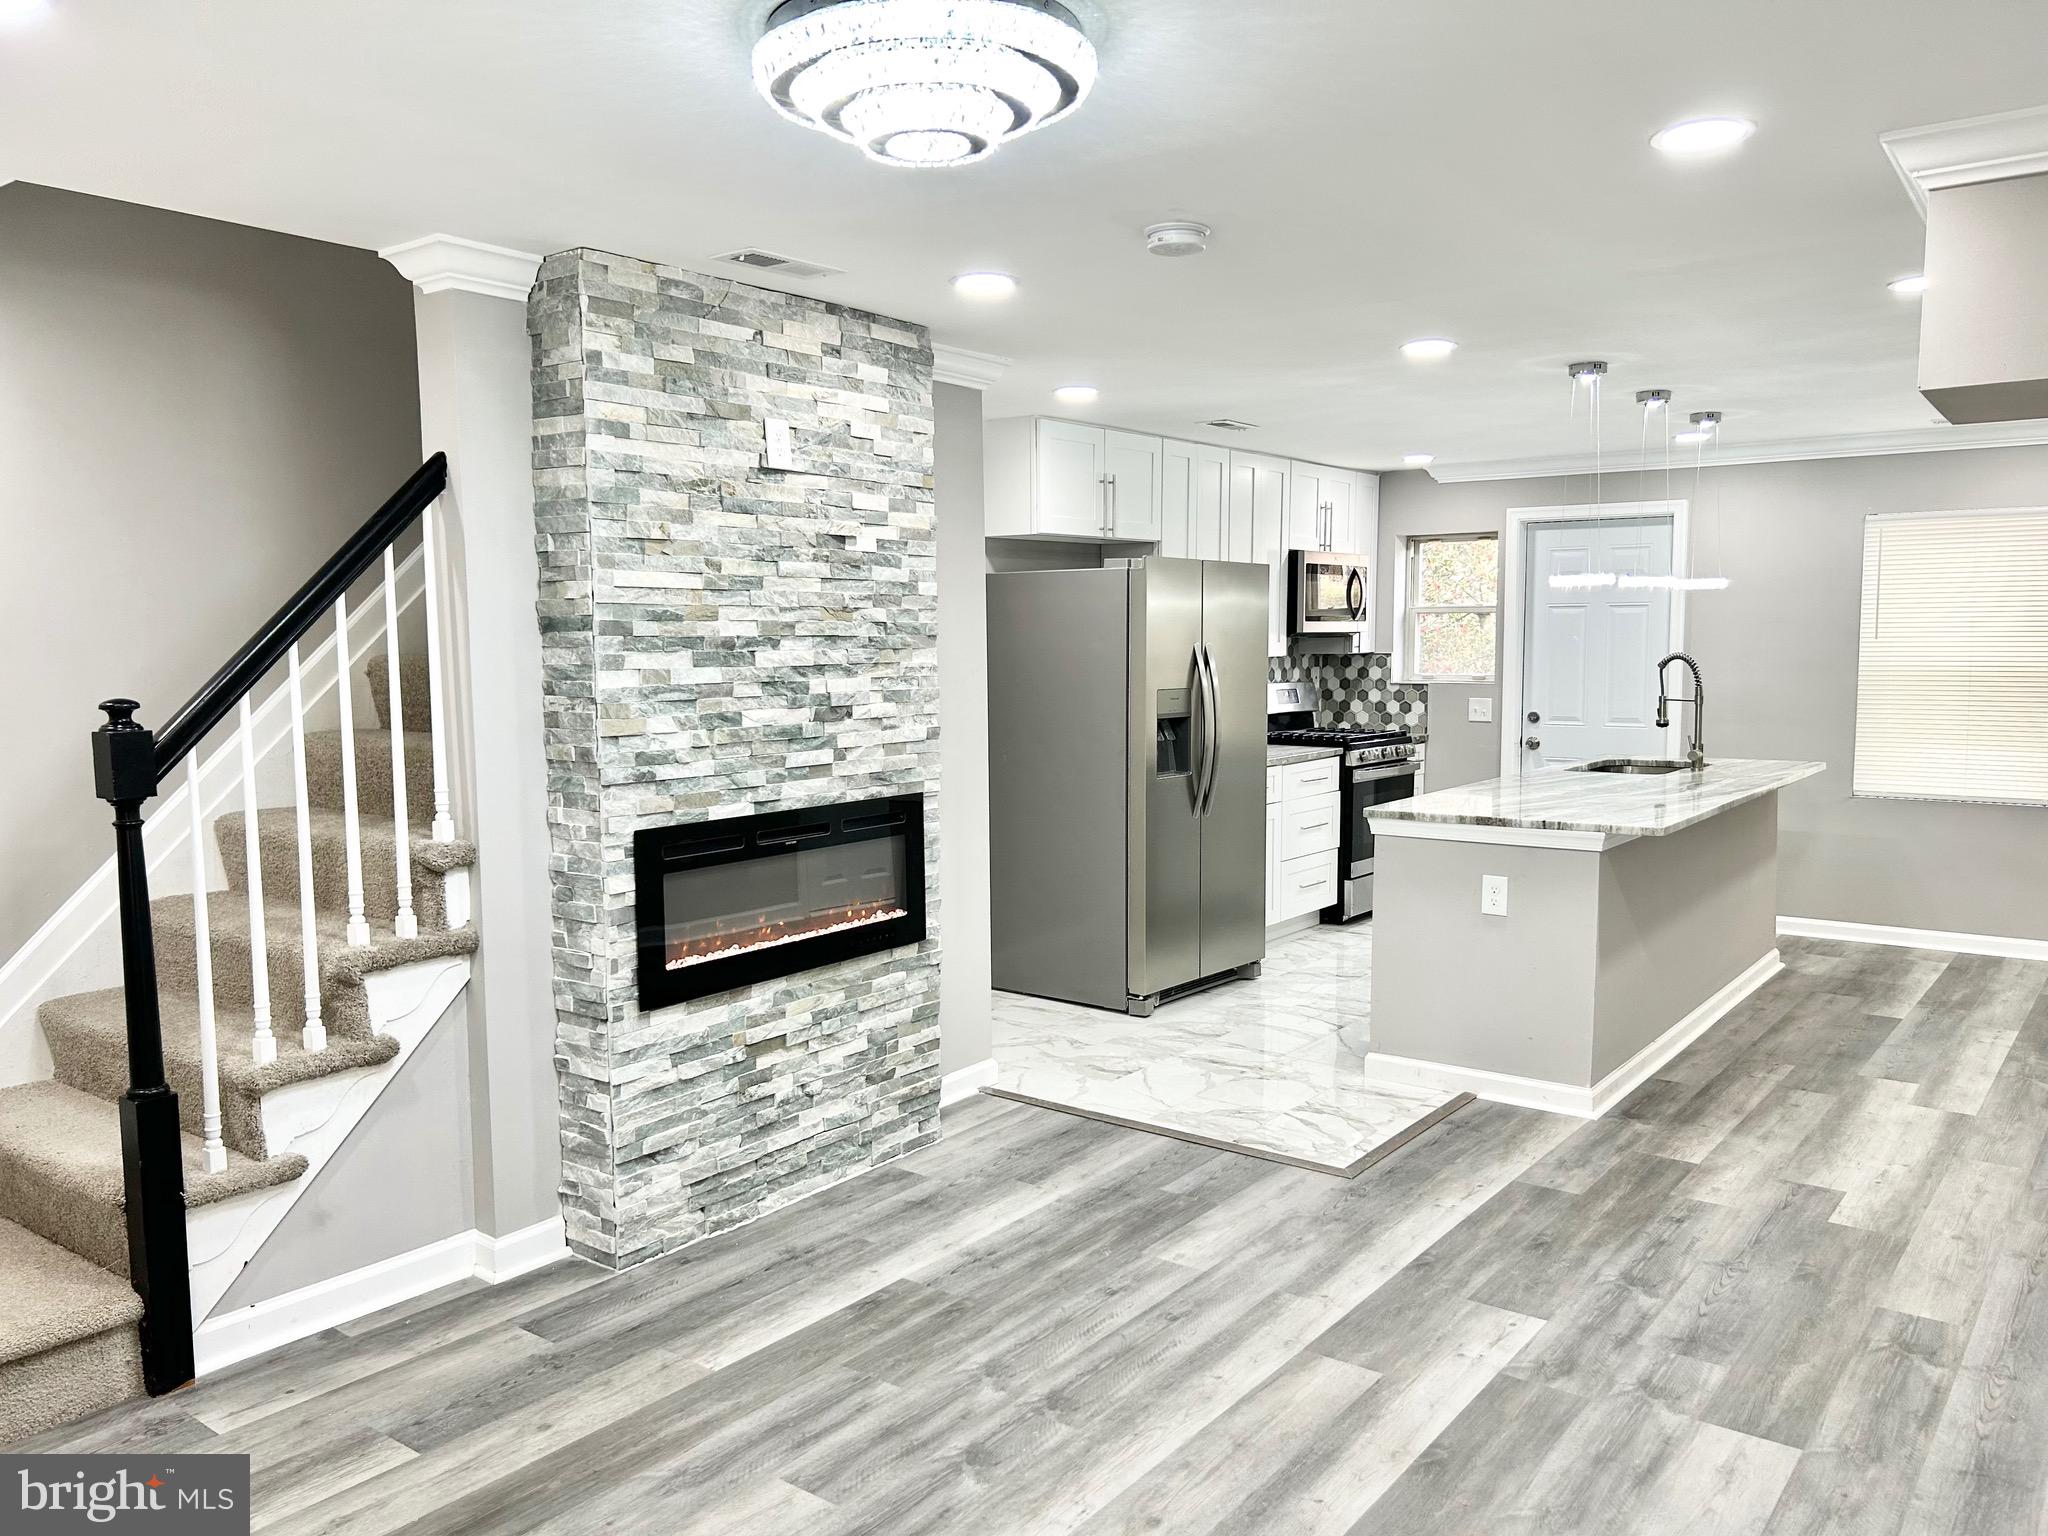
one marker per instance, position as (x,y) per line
(720,638)
(1354,692)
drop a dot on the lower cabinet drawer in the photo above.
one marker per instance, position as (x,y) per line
(1310,826)
(1306,885)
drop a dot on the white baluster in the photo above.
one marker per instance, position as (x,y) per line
(351,825)
(314,1035)
(212,1151)
(406,925)
(262,1044)
(444,821)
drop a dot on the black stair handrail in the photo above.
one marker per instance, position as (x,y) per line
(284,629)
(130,764)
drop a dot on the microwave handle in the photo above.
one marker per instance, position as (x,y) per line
(1356,579)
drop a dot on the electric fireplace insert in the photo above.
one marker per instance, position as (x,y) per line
(723,904)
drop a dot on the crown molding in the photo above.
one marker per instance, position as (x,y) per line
(1970,150)
(440,263)
(1859,445)
(970,370)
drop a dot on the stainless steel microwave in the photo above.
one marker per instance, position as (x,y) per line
(1330,594)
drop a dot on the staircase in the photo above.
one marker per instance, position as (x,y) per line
(235,996)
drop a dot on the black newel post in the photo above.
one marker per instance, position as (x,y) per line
(152,1154)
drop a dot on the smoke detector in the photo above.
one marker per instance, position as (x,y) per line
(783,266)
(1177,239)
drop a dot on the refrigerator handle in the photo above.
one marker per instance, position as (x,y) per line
(1198,782)
(1211,730)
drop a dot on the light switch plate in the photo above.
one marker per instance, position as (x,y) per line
(779,452)
(1479,708)
(1493,895)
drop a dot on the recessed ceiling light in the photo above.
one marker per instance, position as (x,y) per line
(1428,348)
(1418,460)
(1077,394)
(19,13)
(1909,287)
(1703,136)
(985,285)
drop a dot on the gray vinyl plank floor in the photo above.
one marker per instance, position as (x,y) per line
(1797,1283)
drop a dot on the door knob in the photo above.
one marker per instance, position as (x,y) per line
(1532,743)
(1534,717)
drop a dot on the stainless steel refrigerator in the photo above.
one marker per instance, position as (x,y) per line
(1127,774)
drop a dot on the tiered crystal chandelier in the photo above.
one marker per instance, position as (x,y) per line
(924,82)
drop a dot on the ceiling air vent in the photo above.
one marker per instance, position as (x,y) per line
(785,266)
(1226,424)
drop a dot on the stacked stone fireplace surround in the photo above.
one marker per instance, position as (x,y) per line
(721,638)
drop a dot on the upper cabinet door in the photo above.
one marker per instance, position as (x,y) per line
(1256,529)
(1339,522)
(1212,495)
(1177,536)
(1134,466)
(1308,508)
(1072,475)
(1194,486)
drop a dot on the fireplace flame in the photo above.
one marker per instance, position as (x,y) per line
(740,938)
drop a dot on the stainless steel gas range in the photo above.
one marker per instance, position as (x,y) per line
(1379,766)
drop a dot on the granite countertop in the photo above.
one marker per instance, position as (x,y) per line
(1278,756)
(1628,805)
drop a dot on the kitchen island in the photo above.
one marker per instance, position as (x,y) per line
(1632,912)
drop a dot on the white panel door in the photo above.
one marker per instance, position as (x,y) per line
(1132,463)
(1073,496)
(1589,685)
(1338,488)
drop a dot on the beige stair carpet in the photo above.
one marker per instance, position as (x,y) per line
(67,1312)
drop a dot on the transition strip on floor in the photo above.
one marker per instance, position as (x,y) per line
(1350,1170)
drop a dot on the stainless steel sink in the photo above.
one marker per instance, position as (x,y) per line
(1631,765)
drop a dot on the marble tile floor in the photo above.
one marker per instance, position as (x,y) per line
(1273,1067)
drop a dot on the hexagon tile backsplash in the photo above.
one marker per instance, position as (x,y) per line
(1354,692)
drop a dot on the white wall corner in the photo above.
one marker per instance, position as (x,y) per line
(1968,151)
(970,370)
(439,263)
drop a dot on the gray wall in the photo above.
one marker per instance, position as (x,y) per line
(402,1180)
(964,1028)
(197,415)
(1779,651)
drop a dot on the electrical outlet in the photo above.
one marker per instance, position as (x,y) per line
(1479,709)
(1493,895)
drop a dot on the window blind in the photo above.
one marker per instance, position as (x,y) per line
(1952,670)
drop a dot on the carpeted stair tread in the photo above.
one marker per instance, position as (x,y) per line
(54,1298)
(61,1175)
(373,773)
(342,967)
(277,833)
(412,688)
(88,1039)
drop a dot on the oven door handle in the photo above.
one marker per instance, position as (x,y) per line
(1357,579)
(1384,771)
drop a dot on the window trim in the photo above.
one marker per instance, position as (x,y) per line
(1411,610)
(1922,797)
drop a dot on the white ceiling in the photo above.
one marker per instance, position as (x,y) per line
(1375,170)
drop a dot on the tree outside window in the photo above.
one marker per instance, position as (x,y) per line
(1452,599)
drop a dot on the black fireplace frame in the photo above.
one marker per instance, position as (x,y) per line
(736,839)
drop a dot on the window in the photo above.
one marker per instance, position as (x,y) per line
(1952,668)
(1453,589)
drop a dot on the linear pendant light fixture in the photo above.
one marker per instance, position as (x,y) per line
(924,82)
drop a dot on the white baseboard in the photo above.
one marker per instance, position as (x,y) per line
(1569,1098)
(235,1336)
(1913,938)
(967,1082)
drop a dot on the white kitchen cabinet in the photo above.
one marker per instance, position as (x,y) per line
(1048,479)
(1332,509)
(1194,494)
(1303,829)
(1310,780)
(1257,530)
(1133,464)
(1304,885)
(1272,865)
(1310,826)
